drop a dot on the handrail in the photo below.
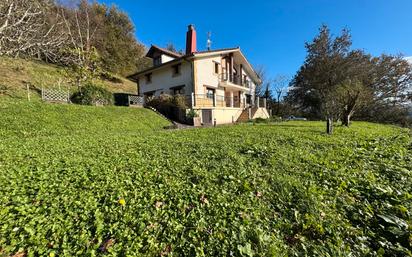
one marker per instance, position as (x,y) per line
(235,79)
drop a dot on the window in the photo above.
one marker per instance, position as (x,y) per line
(178,90)
(210,93)
(216,68)
(176,69)
(157,60)
(148,78)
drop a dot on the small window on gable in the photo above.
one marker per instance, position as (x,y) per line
(157,61)
(176,69)
(148,78)
(216,67)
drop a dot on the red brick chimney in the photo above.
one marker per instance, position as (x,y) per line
(191,40)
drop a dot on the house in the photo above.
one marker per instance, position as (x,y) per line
(218,84)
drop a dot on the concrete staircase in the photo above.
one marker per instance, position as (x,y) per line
(244,116)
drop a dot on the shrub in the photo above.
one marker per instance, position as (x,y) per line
(192,114)
(173,107)
(275,119)
(92,95)
(261,120)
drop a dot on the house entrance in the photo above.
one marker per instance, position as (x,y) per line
(207,116)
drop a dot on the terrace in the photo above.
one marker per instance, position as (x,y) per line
(232,101)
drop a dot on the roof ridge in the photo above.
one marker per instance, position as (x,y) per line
(166,50)
(217,50)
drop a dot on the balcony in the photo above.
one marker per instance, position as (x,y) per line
(212,100)
(234,81)
(215,101)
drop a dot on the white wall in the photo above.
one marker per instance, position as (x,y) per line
(163,79)
(227,115)
(205,75)
(261,113)
(166,58)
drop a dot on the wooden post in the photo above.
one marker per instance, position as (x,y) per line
(214,122)
(68,95)
(28,91)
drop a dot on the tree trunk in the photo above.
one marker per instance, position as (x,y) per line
(346,119)
(347,114)
(329,125)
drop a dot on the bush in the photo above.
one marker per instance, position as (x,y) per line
(92,95)
(261,120)
(173,107)
(275,119)
(192,114)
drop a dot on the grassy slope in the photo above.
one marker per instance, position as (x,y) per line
(271,190)
(16,73)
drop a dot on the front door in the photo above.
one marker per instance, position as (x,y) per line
(207,116)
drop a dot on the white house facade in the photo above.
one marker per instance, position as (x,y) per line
(218,84)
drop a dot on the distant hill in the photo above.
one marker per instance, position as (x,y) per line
(15,74)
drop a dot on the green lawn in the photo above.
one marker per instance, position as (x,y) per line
(109,181)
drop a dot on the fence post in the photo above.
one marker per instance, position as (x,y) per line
(68,94)
(28,91)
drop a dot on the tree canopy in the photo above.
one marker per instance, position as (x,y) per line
(58,31)
(336,81)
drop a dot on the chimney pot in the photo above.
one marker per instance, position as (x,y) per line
(191,40)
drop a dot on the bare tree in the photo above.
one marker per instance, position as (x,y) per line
(27,27)
(81,57)
(280,84)
(260,89)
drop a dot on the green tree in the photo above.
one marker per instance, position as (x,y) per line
(85,69)
(121,53)
(316,83)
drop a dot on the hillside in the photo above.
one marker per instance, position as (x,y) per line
(109,181)
(15,74)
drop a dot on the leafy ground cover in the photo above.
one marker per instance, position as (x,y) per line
(110,181)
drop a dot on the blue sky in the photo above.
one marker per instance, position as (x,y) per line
(272,33)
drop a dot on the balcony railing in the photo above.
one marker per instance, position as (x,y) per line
(213,100)
(235,79)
